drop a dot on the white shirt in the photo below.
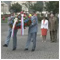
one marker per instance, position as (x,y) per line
(44,24)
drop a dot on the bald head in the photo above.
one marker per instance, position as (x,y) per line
(52,15)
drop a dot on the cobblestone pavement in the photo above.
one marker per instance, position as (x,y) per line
(44,50)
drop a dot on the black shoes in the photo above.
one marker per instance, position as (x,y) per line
(26,49)
(33,50)
(14,49)
(5,45)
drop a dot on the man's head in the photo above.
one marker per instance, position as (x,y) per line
(51,15)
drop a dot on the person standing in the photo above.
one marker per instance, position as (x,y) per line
(44,28)
(9,33)
(11,17)
(32,32)
(53,26)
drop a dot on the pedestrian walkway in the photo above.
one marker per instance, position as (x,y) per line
(44,50)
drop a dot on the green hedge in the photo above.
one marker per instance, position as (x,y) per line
(39,18)
(5,15)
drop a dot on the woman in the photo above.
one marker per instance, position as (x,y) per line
(44,28)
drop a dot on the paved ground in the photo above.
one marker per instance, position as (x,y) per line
(44,50)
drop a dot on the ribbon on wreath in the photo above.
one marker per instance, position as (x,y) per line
(22,25)
(15,20)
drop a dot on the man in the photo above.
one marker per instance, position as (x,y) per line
(53,26)
(9,34)
(32,32)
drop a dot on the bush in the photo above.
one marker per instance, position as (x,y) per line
(5,15)
(39,17)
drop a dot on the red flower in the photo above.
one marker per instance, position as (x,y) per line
(21,12)
(29,17)
(25,24)
(17,27)
(30,21)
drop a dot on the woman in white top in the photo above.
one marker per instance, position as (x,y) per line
(44,28)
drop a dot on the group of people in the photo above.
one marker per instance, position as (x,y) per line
(50,23)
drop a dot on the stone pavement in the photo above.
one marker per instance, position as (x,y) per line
(44,50)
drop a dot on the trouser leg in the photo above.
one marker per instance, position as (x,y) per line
(15,39)
(51,36)
(34,40)
(8,37)
(55,35)
(28,40)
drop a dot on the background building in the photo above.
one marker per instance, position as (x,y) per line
(4,8)
(22,4)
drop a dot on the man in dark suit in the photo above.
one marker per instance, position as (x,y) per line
(53,26)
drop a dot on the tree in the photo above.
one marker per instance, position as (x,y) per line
(28,5)
(53,6)
(37,6)
(16,7)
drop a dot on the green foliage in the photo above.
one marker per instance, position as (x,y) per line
(37,6)
(53,6)
(16,7)
(28,5)
(39,18)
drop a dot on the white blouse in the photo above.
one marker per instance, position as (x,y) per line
(44,24)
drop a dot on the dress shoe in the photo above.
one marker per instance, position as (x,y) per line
(26,49)
(33,50)
(5,45)
(14,49)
